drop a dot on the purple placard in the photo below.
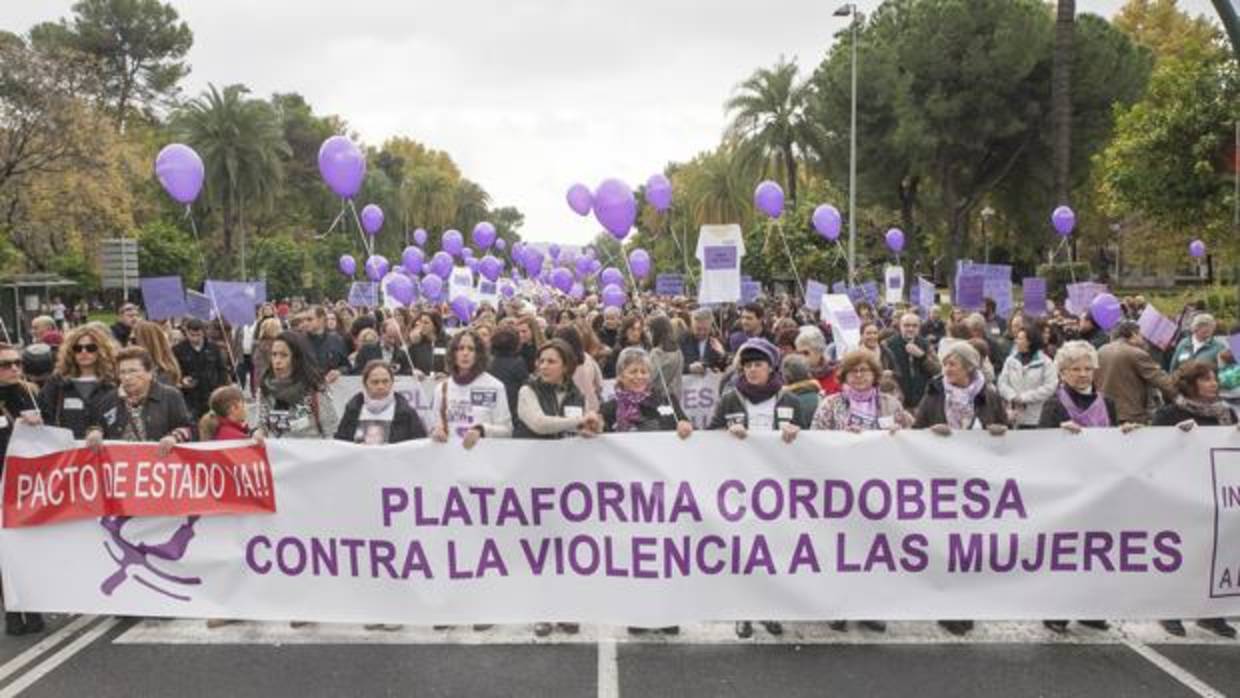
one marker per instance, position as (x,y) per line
(839,287)
(235,301)
(856,294)
(1234,343)
(716,257)
(364,294)
(198,306)
(971,291)
(1034,290)
(163,297)
(750,290)
(1156,328)
(1081,295)
(870,291)
(669,284)
(813,294)
(925,293)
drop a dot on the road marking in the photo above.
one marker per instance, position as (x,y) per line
(608,669)
(1176,671)
(34,651)
(195,632)
(66,653)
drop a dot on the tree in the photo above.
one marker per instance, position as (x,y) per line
(471,204)
(1167,31)
(770,121)
(1061,96)
(165,249)
(242,145)
(138,45)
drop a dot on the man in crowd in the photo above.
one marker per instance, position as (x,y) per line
(702,351)
(1128,374)
(203,367)
(329,349)
(909,357)
(753,325)
(1201,344)
(127,317)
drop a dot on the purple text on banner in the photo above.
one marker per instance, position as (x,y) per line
(198,306)
(1034,289)
(717,257)
(163,297)
(669,284)
(970,291)
(813,294)
(1156,328)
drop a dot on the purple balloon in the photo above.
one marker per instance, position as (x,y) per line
(577,291)
(342,165)
(1064,220)
(453,242)
(533,261)
(372,219)
(347,265)
(1197,249)
(639,263)
(419,236)
(377,267)
(554,251)
(584,264)
(827,221)
(472,264)
(659,192)
(1105,310)
(613,296)
(562,279)
(490,268)
(400,287)
(500,244)
(580,199)
(895,240)
(484,235)
(769,198)
(441,264)
(615,207)
(508,289)
(432,286)
(611,276)
(463,308)
(412,259)
(467,253)
(179,170)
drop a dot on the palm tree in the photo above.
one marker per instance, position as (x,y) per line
(712,194)
(771,121)
(1061,97)
(241,144)
(428,197)
(472,204)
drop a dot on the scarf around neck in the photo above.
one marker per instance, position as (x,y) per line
(863,403)
(284,390)
(1217,409)
(378,409)
(757,394)
(628,408)
(1093,416)
(958,402)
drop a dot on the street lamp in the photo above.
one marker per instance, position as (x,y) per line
(850,10)
(987,214)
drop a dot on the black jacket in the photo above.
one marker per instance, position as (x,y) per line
(14,399)
(406,424)
(329,351)
(163,414)
(731,410)
(425,359)
(207,367)
(988,407)
(62,405)
(510,370)
(552,406)
(650,419)
(1172,414)
(1054,414)
(712,359)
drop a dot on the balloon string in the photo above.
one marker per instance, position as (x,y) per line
(367,242)
(788,250)
(202,254)
(232,359)
(637,296)
(682,249)
(335,222)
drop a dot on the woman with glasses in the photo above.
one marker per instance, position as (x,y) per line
(83,387)
(16,403)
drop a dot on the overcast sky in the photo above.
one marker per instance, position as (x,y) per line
(528,97)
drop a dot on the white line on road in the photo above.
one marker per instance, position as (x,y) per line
(34,651)
(608,669)
(50,664)
(1176,671)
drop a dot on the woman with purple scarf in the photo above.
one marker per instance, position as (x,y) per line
(756,402)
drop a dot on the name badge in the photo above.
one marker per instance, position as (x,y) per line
(784,412)
(735,418)
(886,422)
(573,411)
(439,351)
(73,403)
(1186,356)
(299,424)
(4,422)
(666,410)
(483,398)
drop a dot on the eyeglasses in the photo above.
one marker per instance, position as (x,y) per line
(88,348)
(15,363)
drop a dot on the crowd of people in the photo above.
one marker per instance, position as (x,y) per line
(537,372)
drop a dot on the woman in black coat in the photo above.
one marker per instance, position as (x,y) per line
(635,407)
(507,364)
(378,414)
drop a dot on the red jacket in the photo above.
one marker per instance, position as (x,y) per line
(228,429)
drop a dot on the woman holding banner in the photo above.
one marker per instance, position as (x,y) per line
(859,406)
(472,403)
(378,414)
(83,386)
(293,400)
(16,403)
(960,399)
(550,406)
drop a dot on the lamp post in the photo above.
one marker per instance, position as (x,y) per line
(987,214)
(850,10)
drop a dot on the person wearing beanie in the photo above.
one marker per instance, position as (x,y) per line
(756,402)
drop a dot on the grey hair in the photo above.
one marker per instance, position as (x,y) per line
(1074,351)
(811,338)
(703,315)
(631,355)
(611,310)
(965,353)
(795,368)
(975,322)
(1201,319)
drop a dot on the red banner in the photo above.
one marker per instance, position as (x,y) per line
(134,480)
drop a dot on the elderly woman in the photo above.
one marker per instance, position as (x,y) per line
(636,405)
(1201,345)
(378,414)
(1029,377)
(1197,404)
(960,399)
(83,387)
(812,344)
(471,404)
(293,401)
(859,406)
(800,384)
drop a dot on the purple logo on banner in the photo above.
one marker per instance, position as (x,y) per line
(163,297)
(719,257)
(198,306)
(364,293)
(669,284)
(128,554)
(970,291)
(1034,289)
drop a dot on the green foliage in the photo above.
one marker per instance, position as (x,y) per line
(282,261)
(167,249)
(1058,276)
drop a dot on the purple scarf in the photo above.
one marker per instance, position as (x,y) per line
(757,394)
(862,403)
(628,408)
(1093,416)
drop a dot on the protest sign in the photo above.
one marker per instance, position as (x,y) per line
(163,297)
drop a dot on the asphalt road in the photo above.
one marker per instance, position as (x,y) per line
(106,656)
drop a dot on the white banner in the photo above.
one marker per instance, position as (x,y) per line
(650,530)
